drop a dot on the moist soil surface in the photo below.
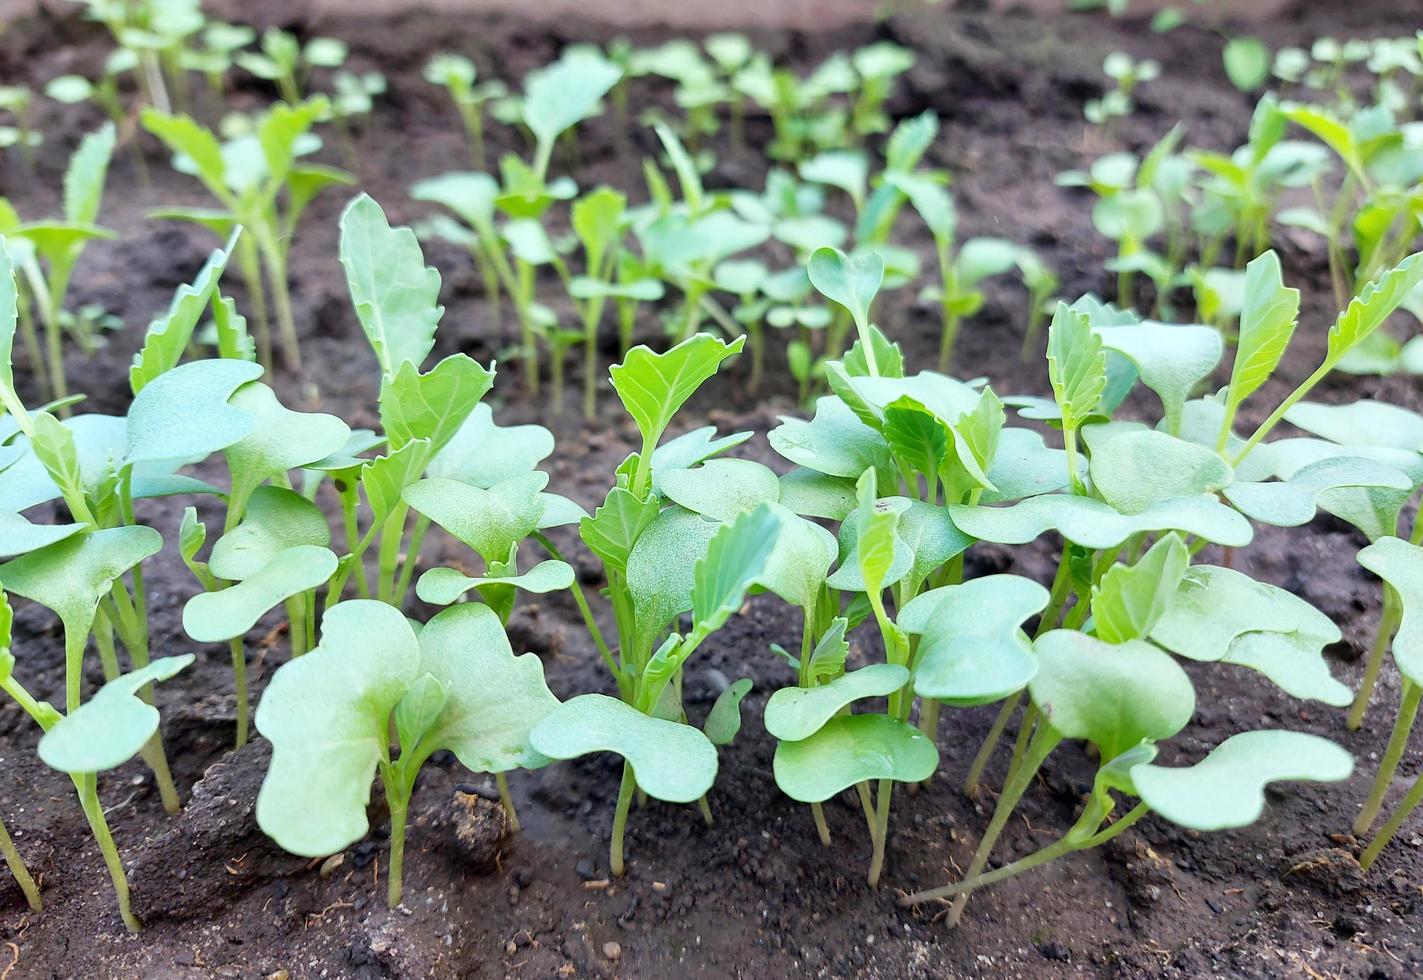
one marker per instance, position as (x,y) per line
(755,894)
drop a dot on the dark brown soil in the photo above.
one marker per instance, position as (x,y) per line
(755,894)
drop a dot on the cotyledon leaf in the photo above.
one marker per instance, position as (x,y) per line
(1138,470)
(812,494)
(1130,600)
(482,453)
(1267,322)
(972,648)
(185,413)
(671,761)
(661,565)
(276,519)
(1094,524)
(18,536)
(721,488)
(1293,501)
(210,617)
(70,576)
(735,558)
(1172,359)
(112,726)
(489,521)
(493,698)
(1025,466)
(1400,564)
(327,715)
(170,335)
(850,749)
(794,713)
(1214,605)
(1366,422)
(280,440)
(1227,788)
(1114,695)
(442,586)
(834,441)
(802,557)
(1293,661)
(689,449)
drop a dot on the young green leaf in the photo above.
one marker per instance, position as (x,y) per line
(795,713)
(724,720)
(211,617)
(489,521)
(395,294)
(735,558)
(1374,304)
(1077,366)
(1096,525)
(1267,322)
(275,519)
(184,413)
(169,336)
(1400,564)
(443,586)
(1139,470)
(112,726)
(1131,599)
(434,405)
(721,488)
(851,749)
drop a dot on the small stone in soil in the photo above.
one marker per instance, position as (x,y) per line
(612,951)
(479,829)
(1055,949)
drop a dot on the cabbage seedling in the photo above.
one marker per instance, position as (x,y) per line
(330,715)
(287,62)
(456,74)
(247,175)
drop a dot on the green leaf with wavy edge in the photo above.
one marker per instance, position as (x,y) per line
(18,536)
(443,586)
(211,617)
(972,648)
(660,569)
(1267,322)
(1400,564)
(395,294)
(327,715)
(1094,524)
(1139,470)
(1214,605)
(802,557)
(434,405)
(275,519)
(1114,695)
(1367,422)
(796,713)
(9,319)
(735,558)
(70,576)
(1077,365)
(385,478)
(185,413)
(493,698)
(482,453)
(850,749)
(616,526)
(652,386)
(488,521)
(1131,599)
(1172,359)
(1294,662)
(834,441)
(112,726)
(1374,304)
(1227,788)
(170,335)
(84,177)
(561,95)
(187,138)
(280,440)
(671,761)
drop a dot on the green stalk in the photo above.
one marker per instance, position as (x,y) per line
(1044,740)
(1407,805)
(412,558)
(18,869)
(1389,619)
(250,263)
(88,786)
(1393,754)
(239,684)
(990,744)
(620,819)
(817,811)
(507,801)
(883,793)
(275,264)
(398,809)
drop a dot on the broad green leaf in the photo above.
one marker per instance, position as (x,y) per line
(850,281)
(850,749)
(1292,502)
(385,478)
(280,440)
(112,726)
(1114,695)
(275,519)
(615,526)
(395,294)
(1172,359)
(846,170)
(211,617)
(185,137)
(84,178)
(1077,366)
(802,557)
(795,713)
(327,715)
(489,521)
(170,335)
(689,449)
(1398,563)
(1139,470)
(1096,525)
(721,488)
(652,386)
(917,437)
(1372,510)
(18,536)
(1131,599)
(834,441)
(972,648)
(1366,422)
(1247,62)
(443,586)
(482,453)
(563,94)
(1227,788)
(1267,322)
(735,558)
(1214,605)
(1025,466)
(434,405)
(1294,662)
(597,219)
(724,720)
(660,569)
(469,195)
(813,494)
(671,761)
(70,576)
(185,414)
(1374,304)
(494,698)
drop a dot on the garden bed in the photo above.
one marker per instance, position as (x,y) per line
(755,894)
